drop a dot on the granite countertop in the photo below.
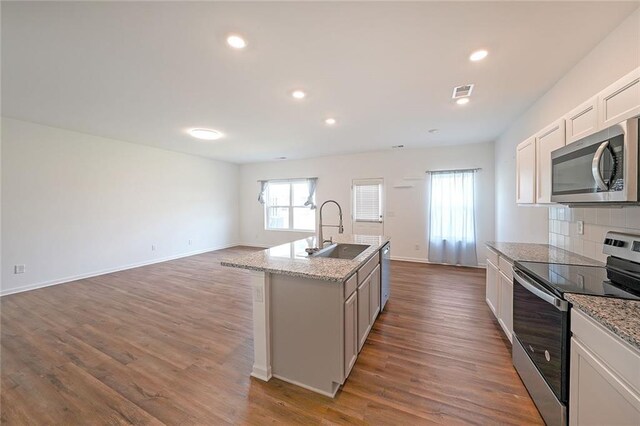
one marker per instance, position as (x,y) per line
(620,316)
(291,258)
(529,252)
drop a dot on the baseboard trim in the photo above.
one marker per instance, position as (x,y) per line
(311,388)
(64,280)
(420,260)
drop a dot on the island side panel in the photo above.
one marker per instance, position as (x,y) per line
(260,282)
(307,332)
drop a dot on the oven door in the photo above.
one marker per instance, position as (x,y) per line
(602,167)
(541,325)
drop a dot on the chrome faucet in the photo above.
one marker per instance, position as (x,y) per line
(321,241)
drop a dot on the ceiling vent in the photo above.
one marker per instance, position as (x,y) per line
(462,91)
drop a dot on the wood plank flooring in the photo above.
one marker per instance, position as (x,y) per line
(171,344)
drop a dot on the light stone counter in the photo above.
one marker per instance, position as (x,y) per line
(528,252)
(291,258)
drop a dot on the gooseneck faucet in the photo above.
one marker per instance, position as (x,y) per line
(321,241)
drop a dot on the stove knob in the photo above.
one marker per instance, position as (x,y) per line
(547,356)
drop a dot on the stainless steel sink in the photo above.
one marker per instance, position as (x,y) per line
(341,251)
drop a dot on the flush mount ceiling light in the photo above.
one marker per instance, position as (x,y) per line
(298,94)
(236,41)
(281,158)
(397,146)
(478,55)
(330,121)
(462,101)
(433,130)
(206,134)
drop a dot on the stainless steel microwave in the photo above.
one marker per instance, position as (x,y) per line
(601,168)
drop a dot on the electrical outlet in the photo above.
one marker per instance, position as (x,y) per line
(190,242)
(153,247)
(417,247)
(259,294)
(580,227)
(19,269)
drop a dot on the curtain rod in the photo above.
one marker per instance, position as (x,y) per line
(454,170)
(286,179)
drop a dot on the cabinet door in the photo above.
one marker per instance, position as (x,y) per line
(526,172)
(620,101)
(374,305)
(505,316)
(549,139)
(350,333)
(582,121)
(596,395)
(364,318)
(492,287)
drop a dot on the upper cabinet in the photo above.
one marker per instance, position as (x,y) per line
(526,172)
(549,139)
(582,120)
(620,101)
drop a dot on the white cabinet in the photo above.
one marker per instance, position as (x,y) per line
(604,376)
(505,306)
(526,172)
(492,287)
(620,101)
(547,140)
(374,293)
(350,332)
(364,317)
(582,121)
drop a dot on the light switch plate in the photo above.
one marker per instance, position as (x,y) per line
(580,227)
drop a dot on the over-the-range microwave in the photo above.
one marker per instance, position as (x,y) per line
(601,168)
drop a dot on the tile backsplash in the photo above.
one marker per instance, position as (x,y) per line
(563,227)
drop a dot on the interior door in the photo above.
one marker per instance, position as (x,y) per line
(367,206)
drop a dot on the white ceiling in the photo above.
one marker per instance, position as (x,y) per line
(145,72)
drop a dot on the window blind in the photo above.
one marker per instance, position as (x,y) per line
(367,202)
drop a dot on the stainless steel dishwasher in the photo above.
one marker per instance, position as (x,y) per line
(385,265)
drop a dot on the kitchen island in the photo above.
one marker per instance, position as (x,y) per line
(312,314)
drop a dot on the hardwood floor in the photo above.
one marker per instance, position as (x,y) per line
(171,343)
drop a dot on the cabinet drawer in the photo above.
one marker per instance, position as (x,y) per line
(492,256)
(368,267)
(506,267)
(350,285)
(615,353)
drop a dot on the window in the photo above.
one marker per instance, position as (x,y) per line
(367,201)
(452,232)
(285,206)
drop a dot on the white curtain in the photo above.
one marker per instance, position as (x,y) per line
(452,228)
(263,190)
(312,183)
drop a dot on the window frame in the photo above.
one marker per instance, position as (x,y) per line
(290,207)
(368,182)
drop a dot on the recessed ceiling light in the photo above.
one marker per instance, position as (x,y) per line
(330,121)
(462,101)
(478,55)
(433,130)
(206,134)
(236,41)
(298,94)
(281,158)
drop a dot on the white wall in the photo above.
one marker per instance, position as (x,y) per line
(75,205)
(612,58)
(406,208)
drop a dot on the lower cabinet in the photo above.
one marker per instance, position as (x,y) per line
(364,316)
(350,332)
(492,287)
(505,310)
(604,374)
(374,299)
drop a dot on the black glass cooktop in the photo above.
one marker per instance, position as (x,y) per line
(591,280)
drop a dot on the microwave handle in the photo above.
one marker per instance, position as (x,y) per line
(595,166)
(561,305)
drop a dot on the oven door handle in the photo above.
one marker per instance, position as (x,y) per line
(595,166)
(561,305)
